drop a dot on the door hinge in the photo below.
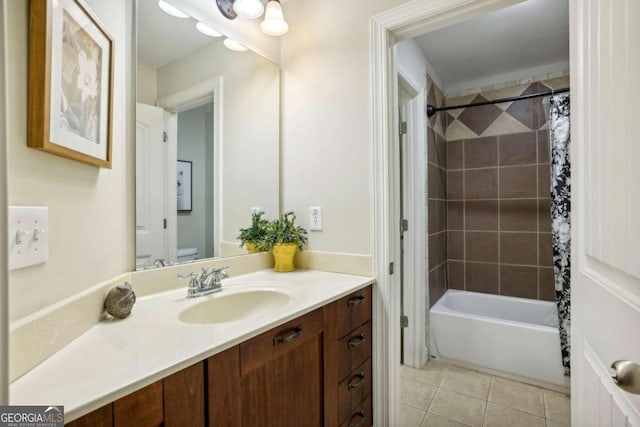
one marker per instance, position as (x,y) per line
(404,225)
(404,321)
(390,268)
(403,128)
(165,137)
(164,223)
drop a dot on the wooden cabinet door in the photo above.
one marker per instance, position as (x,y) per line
(141,408)
(102,417)
(287,390)
(184,397)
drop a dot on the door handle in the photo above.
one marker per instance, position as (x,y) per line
(626,375)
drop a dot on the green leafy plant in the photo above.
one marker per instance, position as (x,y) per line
(256,233)
(284,230)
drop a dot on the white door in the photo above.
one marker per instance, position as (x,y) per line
(151,185)
(605,67)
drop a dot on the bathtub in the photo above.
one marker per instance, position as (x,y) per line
(512,337)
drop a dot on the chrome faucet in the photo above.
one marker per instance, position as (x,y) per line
(209,282)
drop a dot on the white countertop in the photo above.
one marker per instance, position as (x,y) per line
(116,358)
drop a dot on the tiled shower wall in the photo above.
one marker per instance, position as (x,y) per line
(497,196)
(436,196)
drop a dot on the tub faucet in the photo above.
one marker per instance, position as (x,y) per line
(209,282)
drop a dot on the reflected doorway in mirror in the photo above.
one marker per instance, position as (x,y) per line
(184,186)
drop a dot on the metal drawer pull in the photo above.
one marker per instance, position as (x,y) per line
(356,342)
(359,383)
(626,375)
(359,414)
(356,300)
(283,339)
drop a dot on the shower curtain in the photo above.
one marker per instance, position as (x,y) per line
(561,217)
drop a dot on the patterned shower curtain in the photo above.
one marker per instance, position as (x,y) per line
(561,216)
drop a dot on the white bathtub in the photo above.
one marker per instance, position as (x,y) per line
(513,337)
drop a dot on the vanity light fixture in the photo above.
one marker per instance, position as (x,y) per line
(207,30)
(274,23)
(233,45)
(171,10)
(248,9)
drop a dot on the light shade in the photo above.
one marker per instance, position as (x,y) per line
(234,45)
(274,23)
(207,30)
(248,9)
(171,10)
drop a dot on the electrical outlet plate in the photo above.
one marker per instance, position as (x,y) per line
(315,218)
(28,236)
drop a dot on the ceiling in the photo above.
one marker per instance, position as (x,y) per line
(524,36)
(163,38)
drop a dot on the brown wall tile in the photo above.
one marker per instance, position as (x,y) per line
(432,213)
(544,215)
(516,281)
(519,248)
(455,245)
(454,154)
(455,215)
(481,277)
(545,250)
(481,184)
(481,246)
(437,249)
(437,182)
(432,153)
(441,150)
(441,215)
(481,215)
(544,180)
(543,146)
(518,148)
(454,185)
(481,152)
(437,284)
(546,284)
(518,182)
(518,215)
(455,277)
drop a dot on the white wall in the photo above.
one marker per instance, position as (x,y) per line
(250,126)
(91,210)
(4,285)
(147,84)
(326,122)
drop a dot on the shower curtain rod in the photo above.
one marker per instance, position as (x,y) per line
(432,109)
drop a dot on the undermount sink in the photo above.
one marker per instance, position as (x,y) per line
(233,306)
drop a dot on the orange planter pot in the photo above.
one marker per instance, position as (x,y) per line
(283,256)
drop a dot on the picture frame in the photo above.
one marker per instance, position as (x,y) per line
(185,186)
(71,57)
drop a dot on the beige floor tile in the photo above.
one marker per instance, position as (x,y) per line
(410,416)
(415,393)
(557,407)
(430,374)
(467,382)
(432,420)
(517,395)
(458,407)
(501,416)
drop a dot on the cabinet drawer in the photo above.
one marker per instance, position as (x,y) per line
(362,416)
(353,311)
(278,341)
(354,349)
(353,389)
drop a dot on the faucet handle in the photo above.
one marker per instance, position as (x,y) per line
(220,273)
(194,285)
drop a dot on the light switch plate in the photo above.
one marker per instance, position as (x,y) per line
(28,236)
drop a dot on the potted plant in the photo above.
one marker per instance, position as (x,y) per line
(253,237)
(285,238)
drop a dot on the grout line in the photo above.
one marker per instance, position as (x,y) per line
(497,166)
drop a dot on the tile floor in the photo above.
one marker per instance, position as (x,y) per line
(447,396)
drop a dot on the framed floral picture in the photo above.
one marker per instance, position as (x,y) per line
(70,82)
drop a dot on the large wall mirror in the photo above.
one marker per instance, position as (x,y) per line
(207,140)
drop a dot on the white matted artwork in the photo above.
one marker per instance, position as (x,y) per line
(71,82)
(183,173)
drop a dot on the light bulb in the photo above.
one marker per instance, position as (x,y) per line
(171,10)
(274,23)
(207,30)
(248,9)
(234,45)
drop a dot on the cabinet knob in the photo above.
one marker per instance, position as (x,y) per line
(626,375)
